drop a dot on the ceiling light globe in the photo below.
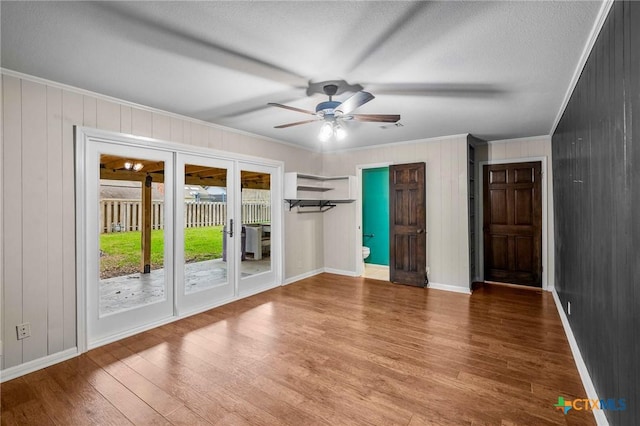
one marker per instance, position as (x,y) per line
(341,133)
(326,131)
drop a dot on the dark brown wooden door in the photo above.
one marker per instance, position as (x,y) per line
(513,223)
(407,222)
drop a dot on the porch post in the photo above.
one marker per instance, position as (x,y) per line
(146,226)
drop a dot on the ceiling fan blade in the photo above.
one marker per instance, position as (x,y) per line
(354,102)
(457,90)
(304,111)
(297,123)
(382,118)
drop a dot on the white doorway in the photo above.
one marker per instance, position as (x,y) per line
(165,231)
(129,263)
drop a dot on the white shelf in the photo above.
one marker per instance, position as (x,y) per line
(323,189)
(313,188)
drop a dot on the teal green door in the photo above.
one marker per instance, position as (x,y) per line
(375,214)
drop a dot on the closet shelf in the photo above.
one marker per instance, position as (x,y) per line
(313,188)
(313,194)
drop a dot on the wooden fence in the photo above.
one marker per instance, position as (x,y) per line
(126,215)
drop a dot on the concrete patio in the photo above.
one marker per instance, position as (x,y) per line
(129,291)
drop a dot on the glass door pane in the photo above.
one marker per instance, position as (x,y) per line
(256,222)
(205,241)
(130,205)
(260,218)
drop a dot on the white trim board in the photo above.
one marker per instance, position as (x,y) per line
(593,36)
(526,138)
(448,287)
(359,264)
(340,272)
(37,364)
(601,419)
(480,216)
(301,277)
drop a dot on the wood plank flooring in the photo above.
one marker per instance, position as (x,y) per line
(328,350)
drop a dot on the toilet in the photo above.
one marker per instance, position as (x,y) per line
(366,251)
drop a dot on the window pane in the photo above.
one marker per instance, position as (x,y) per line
(205,213)
(131,233)
(256,222)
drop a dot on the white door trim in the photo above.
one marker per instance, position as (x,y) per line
(84,135)
(480,217)
(359,263)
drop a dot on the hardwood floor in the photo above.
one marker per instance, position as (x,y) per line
(326,350)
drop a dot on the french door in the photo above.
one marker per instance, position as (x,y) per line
(129,223)
(206,217)
(259,212)
(164,232)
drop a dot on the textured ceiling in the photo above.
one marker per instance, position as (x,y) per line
(495,69)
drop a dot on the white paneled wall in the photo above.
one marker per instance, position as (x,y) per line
(38,220)
(446,199)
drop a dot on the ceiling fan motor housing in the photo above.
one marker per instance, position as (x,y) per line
(327,108)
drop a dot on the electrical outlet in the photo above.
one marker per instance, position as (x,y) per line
(568,308)
(23,330)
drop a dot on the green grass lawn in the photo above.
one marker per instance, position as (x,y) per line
(121,251)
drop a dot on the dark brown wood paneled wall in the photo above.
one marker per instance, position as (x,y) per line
(596,169)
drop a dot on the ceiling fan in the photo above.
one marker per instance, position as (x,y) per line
(333,113)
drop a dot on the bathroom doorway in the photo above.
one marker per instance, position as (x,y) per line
(375,222)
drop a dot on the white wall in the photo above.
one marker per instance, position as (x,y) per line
(521,150)
(38,213)
(446,199)
(38,216)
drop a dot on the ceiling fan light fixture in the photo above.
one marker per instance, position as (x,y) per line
(137,167)
(128,165)
(340,133)
(326,131)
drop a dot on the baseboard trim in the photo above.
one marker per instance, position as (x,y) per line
(300,277)
(601,419)
(448,287)
(340,272)
(37,364)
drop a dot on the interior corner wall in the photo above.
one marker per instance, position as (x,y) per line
(446,206)
(596,165)
(38,216)
(520,150)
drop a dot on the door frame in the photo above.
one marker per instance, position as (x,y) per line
(84,135)
(103,326)
(251,284)
(359,264)
(546,285)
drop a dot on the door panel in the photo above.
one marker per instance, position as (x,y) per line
(407,222)
(513,223)
(523,206)
(498,206)
(129,239)
(204,210)
(258,251)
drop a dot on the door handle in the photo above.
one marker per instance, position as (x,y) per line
(419,231)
